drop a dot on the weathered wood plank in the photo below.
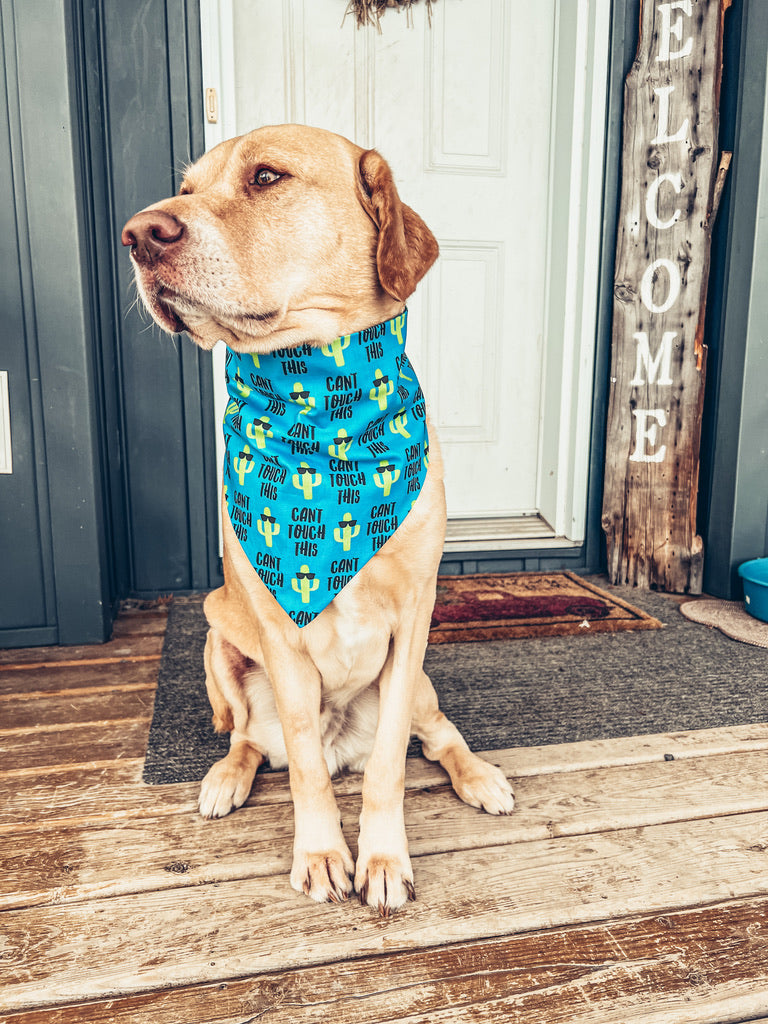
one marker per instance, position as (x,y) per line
(103,792)
(78,744)
(61,711)
(182,849)
(684,967)
(129,944)
(163,853)
(141,622)
(588,754)
(669,167)
(122,649)
(27,684)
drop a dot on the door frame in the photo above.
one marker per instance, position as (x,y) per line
(578,152)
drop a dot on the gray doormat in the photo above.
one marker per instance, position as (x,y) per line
(730,618)
(510,693)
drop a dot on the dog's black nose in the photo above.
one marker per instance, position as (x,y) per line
(150,234)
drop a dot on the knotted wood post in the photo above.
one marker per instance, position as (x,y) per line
(669,195)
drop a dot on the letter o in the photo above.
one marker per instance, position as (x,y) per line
(646,286)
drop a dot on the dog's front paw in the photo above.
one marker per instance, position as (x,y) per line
(384,883)
(222,790)
(228,783)
(324,877)
(481,784)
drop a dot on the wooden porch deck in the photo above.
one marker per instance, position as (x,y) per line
(631,884)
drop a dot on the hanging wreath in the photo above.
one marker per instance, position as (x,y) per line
(369,12)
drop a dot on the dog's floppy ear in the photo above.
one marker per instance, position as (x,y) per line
(406,248)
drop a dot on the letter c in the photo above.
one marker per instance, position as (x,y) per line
(675,178)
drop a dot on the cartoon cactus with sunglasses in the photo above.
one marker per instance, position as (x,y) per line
(336,349)
(396,327)
(243,464)
(305,479)
(304,583)
(340,447)
(381,390)
(267,526)
(301,396)
(259,431)
(386,476)
(347,529)
(398,422)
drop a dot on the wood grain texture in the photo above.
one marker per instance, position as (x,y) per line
(629,885)
(79,744)
(141,622)
(217,932)
(680,967)
(127,648)
(670,160)
(76,707)
(180,849)
(103,790)
(23,684)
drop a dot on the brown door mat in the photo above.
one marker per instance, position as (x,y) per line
(500,606)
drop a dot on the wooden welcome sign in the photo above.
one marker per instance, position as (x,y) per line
(669,195)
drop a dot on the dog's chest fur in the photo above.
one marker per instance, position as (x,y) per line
(349,652)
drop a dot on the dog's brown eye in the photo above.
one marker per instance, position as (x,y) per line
(265,176)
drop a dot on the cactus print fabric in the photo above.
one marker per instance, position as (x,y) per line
(326,452)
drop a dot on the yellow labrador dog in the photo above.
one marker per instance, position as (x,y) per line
(289,239)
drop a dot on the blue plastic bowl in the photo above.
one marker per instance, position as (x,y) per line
(755,577)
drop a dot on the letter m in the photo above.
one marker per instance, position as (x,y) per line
(660,366)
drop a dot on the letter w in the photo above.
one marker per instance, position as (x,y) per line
(663,360)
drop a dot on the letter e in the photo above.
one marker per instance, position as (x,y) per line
(648,433)
(668,30)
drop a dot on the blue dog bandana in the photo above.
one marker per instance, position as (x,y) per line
(326,452)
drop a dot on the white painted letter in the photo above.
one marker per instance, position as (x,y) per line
(648,433)
(681,135)
(675,178)
(662,361)
(646,286)
(668,29)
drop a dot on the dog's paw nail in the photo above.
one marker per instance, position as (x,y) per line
(410,890)
(323,877)
(337,896)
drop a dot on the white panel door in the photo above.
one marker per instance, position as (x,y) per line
(477,115)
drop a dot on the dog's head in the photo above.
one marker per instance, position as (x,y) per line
(285,235)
